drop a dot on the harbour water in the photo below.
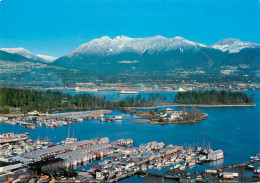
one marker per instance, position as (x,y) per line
(235,130)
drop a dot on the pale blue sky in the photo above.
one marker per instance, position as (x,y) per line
(56,27)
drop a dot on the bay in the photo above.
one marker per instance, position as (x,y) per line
(235,130)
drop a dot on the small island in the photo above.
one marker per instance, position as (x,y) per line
(168,116)
(195,99)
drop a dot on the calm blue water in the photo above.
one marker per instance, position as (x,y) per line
(232,129)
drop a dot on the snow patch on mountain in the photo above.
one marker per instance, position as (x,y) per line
(20,51)
(46,58)
(25,53)
(233,45)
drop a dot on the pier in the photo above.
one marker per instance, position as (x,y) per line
(56,119)
(74,116)
(126,175)
(158,175)
(125,161)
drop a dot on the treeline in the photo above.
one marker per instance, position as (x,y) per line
(213,98)
(43,101)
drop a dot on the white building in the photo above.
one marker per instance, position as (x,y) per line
(215,155)
(175,115)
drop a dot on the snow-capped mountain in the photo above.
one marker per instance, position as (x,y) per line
(108,46)
(123,58)
(25,53)
(156,53)
(20,51)
(233,45)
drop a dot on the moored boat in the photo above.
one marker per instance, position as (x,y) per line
(128,92)
(30,125)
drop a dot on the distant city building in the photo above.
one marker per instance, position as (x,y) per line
(155,88)
(180,89)
(142,87)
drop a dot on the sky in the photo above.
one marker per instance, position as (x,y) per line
(56,27)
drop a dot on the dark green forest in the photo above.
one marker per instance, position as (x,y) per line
(43,101)
(213,98)
(54,100)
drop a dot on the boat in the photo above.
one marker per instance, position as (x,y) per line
(182,167)
(192,163)
(33,113)
(128,92)
(199,178)
(177,166)
(102,119)
(105,120)
(39,146)
(69,140)
(86,89)
(39,123)
(55,124)
(117,118)
(12,122)
(254,158)
(150,166)
(49,125)
(30,125)
(61,123)
(143,168)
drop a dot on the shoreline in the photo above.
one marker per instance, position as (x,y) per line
(155,120)
(196,105)
(153,107)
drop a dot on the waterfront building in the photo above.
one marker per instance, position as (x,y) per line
(180,89)
(142,87)
(176,114)
(155,88)
(229,175)
(215,155)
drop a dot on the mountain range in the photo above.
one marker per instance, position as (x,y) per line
(25,53)
(160,55)
(157,53)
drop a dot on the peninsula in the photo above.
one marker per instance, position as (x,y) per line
(168,116)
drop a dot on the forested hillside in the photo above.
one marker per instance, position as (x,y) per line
(53,100)
(213,98)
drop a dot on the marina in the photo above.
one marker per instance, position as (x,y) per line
(35,119)
(124,160)
(13,146)
(129,91)
(118,160)
(217,132)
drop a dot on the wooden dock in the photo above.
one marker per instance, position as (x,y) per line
(123,176)
(143,173)
(158,175)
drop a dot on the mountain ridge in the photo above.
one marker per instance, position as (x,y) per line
(25,53)
(112,60)
(122,43)
(105,54)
